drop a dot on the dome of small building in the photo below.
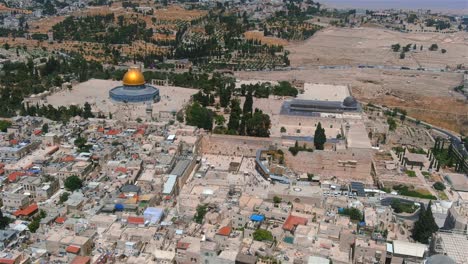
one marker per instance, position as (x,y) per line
(440,259)
(349,101)
(133,77)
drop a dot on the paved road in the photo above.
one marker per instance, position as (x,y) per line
(370,66)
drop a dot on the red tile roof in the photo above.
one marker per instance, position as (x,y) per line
(60,220)
(294,221)
(14,141)
(113,132)
(7,261)
(135,220)
(37,132)
(121,169)
(2,165)
(26,211)
(73,249)
(326,246)
(2,171)
(68,158)
(81,260)
(183,245)
(100,129)
(14,176)
(225,231)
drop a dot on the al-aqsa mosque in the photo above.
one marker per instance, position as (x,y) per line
(134,89)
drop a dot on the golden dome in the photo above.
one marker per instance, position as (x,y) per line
(133,77)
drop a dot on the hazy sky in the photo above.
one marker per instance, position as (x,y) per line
(404,4)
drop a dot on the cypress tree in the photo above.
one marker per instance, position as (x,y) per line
(425,226)
(319,138)
(248,104)
(235,116)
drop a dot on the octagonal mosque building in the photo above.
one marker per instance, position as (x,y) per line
(134,89)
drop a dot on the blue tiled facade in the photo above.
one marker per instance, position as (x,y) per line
(135,94)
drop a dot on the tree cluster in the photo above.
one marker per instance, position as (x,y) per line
(262,235)
(199,116)
(4,221)
(353,213)
(202,209)
(62,113)
(102,29)
(247,122)
(296,149)
(264,90)
(35,223)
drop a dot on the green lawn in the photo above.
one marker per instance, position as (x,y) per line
(410,173)
(407,191)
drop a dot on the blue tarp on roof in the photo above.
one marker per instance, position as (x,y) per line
(257,218)
(119,207)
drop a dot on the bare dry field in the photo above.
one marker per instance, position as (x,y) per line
(178,13)
(427,96)
(44,25)
(353,46)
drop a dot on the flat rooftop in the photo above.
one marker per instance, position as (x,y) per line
(455,246)
(324,92)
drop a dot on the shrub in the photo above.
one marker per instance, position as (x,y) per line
(439,186)
(353,213)
(392,125)
(426,174)
(277,199)
(64,197)
(201,212)
(396,47)
(262,235)
(410,173)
